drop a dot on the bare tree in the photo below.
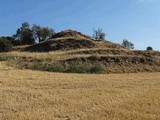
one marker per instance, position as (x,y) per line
(98,34)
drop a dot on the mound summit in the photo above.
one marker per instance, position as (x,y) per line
(69,40)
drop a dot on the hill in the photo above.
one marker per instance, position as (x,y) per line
(71,51)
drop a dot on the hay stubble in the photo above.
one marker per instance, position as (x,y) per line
(34,95)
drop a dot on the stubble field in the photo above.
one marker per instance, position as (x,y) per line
(35,95)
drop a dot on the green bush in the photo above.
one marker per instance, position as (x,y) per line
(5,45)
(37,66)
(85,69)
(77,69)
(13,41)
(56,68)
(96,69)
(70,69)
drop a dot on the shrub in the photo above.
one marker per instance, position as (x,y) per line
(37,66)
(13,41)
(149,48)
(56,68)
(96,69)
(85,69)
(77,69)
(5,45)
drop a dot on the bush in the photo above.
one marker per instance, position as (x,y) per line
(70,69)
(5,45)
(85,69)
(37,66)
(96,69)
(149,48)
(56,68)
(77,69)
(12,40)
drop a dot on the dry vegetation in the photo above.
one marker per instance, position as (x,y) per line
(111,60)
(71,49)
(35,95)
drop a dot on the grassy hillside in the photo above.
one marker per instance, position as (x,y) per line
(71,51)
(35,95)
(107,60)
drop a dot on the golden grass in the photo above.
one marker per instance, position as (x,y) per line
(45,55)
(34,95)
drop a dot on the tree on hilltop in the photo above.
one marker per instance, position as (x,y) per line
(42,33)
(127,44)
(24,34)
(149,48)
(98,34)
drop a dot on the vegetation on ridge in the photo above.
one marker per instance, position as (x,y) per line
(72,51)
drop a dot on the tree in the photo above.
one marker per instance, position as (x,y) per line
(127,44)
(24,34)
(42,33)
(12,40)
(149,48)
(5,45)
(98,34)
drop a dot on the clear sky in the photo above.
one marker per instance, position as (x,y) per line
(135,20)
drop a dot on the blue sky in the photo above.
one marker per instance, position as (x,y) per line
(135,20)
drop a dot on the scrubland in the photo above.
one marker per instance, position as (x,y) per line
(37,95)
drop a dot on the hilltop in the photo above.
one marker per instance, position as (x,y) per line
(70,40)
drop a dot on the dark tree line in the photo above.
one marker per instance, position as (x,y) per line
(26,35)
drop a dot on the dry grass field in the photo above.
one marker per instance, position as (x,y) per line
(35,95)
